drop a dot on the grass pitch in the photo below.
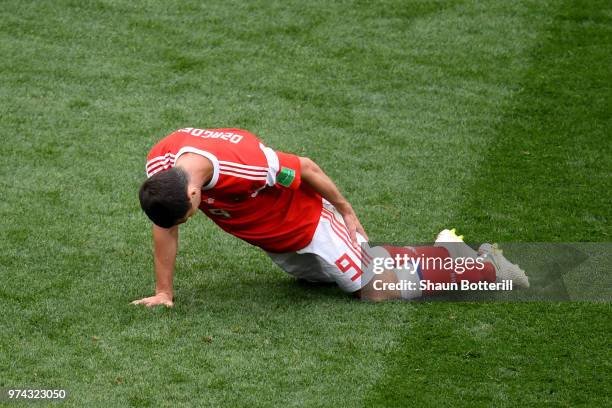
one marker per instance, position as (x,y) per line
(493,117)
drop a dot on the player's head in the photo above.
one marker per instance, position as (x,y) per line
(168,199)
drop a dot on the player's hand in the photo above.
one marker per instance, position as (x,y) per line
(353,226)
(159,299)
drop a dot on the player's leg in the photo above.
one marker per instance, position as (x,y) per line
(305,266)
(414,272)
(354,268)
(340,260)
(504,269)
(421,271)
(331,257)
(381,287)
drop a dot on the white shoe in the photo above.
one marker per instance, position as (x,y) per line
(505,270)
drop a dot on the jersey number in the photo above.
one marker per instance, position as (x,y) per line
(345,263)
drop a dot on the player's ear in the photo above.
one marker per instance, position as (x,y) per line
(195,195)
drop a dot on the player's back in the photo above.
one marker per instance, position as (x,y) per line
(255,193)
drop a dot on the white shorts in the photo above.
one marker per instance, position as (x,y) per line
(330,256)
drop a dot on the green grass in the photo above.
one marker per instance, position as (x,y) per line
(490,116)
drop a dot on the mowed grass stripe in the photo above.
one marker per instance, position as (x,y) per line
(542,180)
(548,174)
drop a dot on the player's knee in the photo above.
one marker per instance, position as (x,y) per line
(369,296)
(380,288)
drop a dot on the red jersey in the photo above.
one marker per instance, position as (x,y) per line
(255,193)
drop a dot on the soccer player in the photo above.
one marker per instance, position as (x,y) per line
(287,206)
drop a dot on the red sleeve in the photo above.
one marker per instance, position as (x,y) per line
(289,173)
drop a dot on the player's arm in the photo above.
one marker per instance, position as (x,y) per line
(165,242)
(321,183)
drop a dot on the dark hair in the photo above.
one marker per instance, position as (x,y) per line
(164,197)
